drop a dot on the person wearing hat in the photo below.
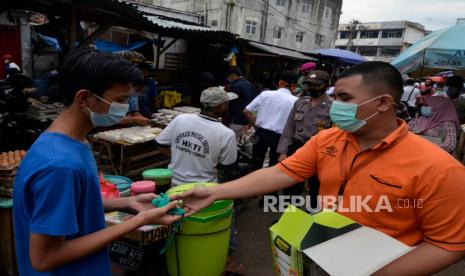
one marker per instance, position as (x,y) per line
(305,70)
(200,142)
(309,115)
(11,68)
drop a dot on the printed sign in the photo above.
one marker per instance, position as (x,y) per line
(126,255)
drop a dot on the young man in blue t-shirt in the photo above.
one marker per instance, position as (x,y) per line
(58,212)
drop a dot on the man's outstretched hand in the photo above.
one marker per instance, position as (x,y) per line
(195,199)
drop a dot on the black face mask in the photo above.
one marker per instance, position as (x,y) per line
(314,93)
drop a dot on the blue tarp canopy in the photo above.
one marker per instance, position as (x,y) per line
(340,55)
(51,41)
(101,45)
(442,49)
(107,46)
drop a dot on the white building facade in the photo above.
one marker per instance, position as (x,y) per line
(382,41)
(300,25)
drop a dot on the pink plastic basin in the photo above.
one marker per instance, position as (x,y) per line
(142,187)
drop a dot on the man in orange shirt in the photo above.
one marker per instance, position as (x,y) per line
(371,156)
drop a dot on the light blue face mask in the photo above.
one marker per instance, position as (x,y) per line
(115,114)
(343,115)
(426,111)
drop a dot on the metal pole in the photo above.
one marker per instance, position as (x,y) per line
(73,29)
(158,52)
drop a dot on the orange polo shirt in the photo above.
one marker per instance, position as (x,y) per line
(420,186)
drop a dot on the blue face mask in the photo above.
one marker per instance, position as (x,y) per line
(115,114)
(343,115)
(426,111)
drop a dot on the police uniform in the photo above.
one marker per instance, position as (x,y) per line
(303,122)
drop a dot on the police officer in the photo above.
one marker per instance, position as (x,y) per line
(309,115)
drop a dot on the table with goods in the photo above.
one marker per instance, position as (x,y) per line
(9,163)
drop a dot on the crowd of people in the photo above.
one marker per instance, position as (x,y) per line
(343,139)
(435,109)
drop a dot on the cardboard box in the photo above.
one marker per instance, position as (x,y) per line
(337,244)
(144,235)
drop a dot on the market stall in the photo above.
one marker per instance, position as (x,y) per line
(9,162)
(127,151)
(138,251)
(7,249)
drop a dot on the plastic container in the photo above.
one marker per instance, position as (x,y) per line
(108,190)
(142,187)
(125,193)
(6,202)
(201,246)
(121,182)
(161,176)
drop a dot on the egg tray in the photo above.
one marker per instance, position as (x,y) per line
(7,181)
(6,192)
(8,173)
(10,169)
(9,161)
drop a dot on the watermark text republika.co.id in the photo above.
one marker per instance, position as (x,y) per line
(341,204)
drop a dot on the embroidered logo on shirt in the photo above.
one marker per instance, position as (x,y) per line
(331,151)
(193,143)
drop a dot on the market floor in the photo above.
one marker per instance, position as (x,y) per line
(253,250)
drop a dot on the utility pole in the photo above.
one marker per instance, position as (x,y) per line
(352,29)
(205,14)
(264,24)
(353,26)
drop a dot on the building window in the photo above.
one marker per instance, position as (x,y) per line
(369,34)
(346,34)
(392,33)
(281,3)
(299,37)
(327,13)
(278,32)
(306,6)
(250,27)
(390,51)
(368,51)
(214,23)
(319,39)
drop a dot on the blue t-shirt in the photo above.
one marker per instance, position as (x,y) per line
(133,102)
(246,92)
(57,193)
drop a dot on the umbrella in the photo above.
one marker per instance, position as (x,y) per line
(440,50)
(437,79)
(448,73)
(340,55)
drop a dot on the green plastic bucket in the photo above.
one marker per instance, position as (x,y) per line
(201,246)
(160,176)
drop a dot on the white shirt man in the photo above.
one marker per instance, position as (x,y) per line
(199,142)
(272,108)
(410,95)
